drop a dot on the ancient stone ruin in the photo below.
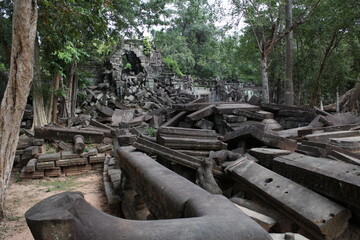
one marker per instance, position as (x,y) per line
(178,165)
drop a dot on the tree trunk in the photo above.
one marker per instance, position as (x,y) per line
(331,46)
(264,79)
(354,98)
(289,85)
(56,83)
(74,94)
(18,88)
(70,86)
(40,118)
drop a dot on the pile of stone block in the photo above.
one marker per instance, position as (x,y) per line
(66,163)
(27,149)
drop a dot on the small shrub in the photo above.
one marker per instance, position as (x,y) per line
(151,131)
(147,46)
(173,66)
(127,67)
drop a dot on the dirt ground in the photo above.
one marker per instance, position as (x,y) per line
(24,194)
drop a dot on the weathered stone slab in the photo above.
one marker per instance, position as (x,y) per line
(322,219)
(335,179)
(204,124)
(229,108)
(104,148)
(32,150)
(53,172)
(45,165)
(155,122)
(174,122)
(278,107)
(325,136)
(349,143)
(194,106)
(264,221)
(272,125)
(85,168)
(122,117)
(191,144)
(186,132)
(336,155)
(71,170)
(63,163)
(65,146)
(65,134)
(199,153)
(126,140)
(71,162)
(49,157)
(265,156)
(257,133)
(256,204)
(137,121)
(235,119)
(170,154)
(30,167)
(89,152)
(68,155)
(257,115)
(309,150)
(105,111)
(340,119)
(95,123)
(202,113)
(97,166)
(100,158)
(32,175)
(299,115)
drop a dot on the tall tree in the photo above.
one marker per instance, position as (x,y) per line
(17,91)
(266,20)
(289,84)
(192,39)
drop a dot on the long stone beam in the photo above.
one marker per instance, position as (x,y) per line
(335,179)
(186,210)
(317,215)
(65,134)
(170,154)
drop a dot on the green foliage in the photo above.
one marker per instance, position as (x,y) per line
(61,92)
(150,131)
(3,68)
(192,40)
(172,65)
(17,177)
(84,81)
(70,54)
(147,46)
(127,66)
(14,218)
(104,47)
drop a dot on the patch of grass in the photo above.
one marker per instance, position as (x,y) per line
(150,131)
(15,218)
(17,177)
(49,148)
(61,185)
